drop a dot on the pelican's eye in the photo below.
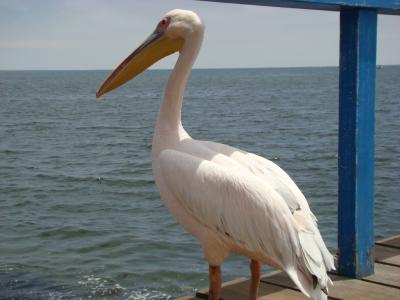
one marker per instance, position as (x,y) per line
(163,23)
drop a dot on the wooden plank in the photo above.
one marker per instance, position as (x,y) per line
(239,290)
(393,241)
(356,142)
(387,255)
(385,275)
(266,292)
(383,6)
(344,288)
(274,292)
(235,289)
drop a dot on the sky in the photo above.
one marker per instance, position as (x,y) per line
(98,34)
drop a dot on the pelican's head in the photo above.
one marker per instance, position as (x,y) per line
(168,37)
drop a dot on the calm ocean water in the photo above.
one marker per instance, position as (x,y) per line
(80,217)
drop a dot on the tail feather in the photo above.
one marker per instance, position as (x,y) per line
(305,284)
(318,294)
(327,256)
(299,281)
(314,261)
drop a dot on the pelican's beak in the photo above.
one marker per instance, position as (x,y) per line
(157,46)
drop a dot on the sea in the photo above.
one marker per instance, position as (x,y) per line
(80,216)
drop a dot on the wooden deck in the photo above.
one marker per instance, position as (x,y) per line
(384,284)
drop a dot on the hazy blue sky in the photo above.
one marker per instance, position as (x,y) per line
(98,34)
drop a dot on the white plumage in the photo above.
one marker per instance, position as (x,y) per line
(229,199)
(247,205)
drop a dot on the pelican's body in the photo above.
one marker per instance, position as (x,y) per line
(229,199)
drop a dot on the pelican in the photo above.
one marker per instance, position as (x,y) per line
(231,200)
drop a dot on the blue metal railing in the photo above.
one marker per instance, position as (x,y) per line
(357,68)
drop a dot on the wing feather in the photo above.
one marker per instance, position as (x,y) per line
(269,172)
(280,181)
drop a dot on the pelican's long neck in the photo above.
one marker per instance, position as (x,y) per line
(169,118)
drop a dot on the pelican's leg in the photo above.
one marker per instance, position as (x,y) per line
(215,282)
(255,268)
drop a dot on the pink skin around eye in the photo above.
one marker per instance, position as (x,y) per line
(164,23)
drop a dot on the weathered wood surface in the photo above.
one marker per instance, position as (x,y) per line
(384,284)
(385,275)
(393,241)
(387,255)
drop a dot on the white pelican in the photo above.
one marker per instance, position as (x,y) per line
(229,199)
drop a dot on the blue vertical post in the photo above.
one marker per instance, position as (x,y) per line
(357,69)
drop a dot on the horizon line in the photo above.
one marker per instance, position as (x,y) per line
(199,68)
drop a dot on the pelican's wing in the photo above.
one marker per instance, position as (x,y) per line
(273,176)
(232,203)
(267,171)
